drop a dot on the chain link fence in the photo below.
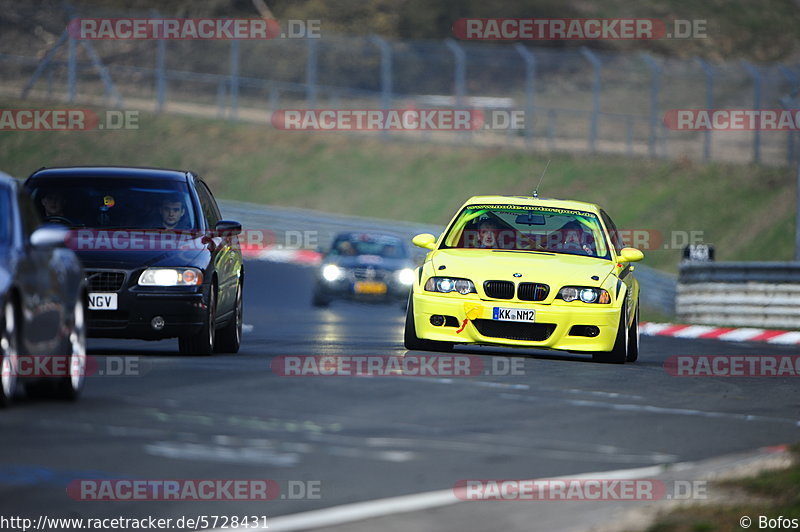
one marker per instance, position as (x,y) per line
(573,100)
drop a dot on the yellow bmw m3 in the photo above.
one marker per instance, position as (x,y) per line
(527,272)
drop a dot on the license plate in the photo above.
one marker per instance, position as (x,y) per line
(370,287)
(100,301)
(513,314)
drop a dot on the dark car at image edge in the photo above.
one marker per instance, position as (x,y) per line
(147,281)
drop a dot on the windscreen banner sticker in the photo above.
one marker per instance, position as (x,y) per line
(553,210)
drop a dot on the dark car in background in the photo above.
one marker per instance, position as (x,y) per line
(367,266)
(160,261)
(42,297)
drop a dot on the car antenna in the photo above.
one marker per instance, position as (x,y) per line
(536,190)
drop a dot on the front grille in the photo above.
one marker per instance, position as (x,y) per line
(532,291)
(369,274)
(530,332)
(499,289)
(105,281)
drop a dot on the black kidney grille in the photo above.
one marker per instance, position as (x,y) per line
(529,332)
(105,281)
(499,289)
(532,291)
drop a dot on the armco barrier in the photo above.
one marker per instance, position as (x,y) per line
(740,294)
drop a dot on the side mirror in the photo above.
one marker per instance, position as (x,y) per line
(630,255)
(49,236)
(227,228)
(425,240)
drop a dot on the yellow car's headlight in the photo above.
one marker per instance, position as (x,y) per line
(446,285)
(585,294)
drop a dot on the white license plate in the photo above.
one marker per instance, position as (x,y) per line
(513,314)
(101,301)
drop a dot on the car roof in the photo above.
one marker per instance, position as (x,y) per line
(531,201)
(372,235)
(161,174)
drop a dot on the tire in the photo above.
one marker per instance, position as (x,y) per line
(410,340)
(9,354)
(619,353)
(202,343)
(633,338)
(70,386)
(229,339)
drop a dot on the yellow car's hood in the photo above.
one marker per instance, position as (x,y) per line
(555,269)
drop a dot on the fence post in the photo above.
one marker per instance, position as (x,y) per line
(530,88)
(756,75)
(71,68)
(655,83)
(311,74)
(460,72)
(709,72)
(597,67)
(221,98)
(234,80)
(386,74)
(794,85)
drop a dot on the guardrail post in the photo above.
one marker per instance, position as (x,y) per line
(709,72)
(794,86)
(797,218)
(655,73)
(756,75)
(234,84)
(530,88)
(311,74)
(597,66)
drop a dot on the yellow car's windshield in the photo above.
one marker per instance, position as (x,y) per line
(528,228)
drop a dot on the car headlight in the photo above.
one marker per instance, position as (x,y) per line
(449,284)
(406,276)
(585,294)
(331,273)
(171,277)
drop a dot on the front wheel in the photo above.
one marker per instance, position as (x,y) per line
(619,353)
(229,339)
(70,386)
(202,343)
(9,356)
(412,342)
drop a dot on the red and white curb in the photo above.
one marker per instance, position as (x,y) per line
(720,333)
(277,254)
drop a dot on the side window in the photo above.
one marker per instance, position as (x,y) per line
(30,218)
(207,203)
(613,232)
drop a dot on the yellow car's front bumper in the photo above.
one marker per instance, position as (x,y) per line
(551,329)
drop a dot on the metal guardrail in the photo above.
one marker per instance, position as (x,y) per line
(658,289)
(740,294)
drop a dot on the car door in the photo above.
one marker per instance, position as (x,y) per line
(224,256)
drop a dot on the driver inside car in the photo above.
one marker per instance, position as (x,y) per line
(53,204)
(172,211)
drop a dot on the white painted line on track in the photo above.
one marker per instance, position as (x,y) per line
(359,511)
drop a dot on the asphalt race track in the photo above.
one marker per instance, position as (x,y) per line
(364,438)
